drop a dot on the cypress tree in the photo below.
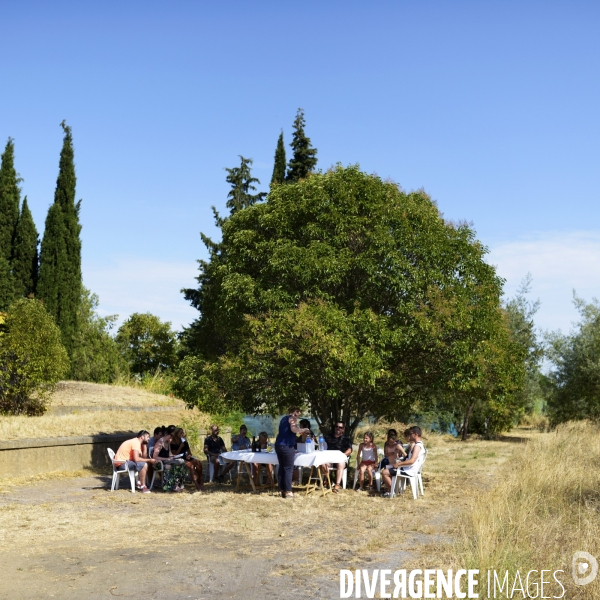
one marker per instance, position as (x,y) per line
(10,198)
(279,167)
(7,285)
(53,260)
(25,253)
(242,183)
(304,159)
(60,282)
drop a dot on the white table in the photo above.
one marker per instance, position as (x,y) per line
(313,460)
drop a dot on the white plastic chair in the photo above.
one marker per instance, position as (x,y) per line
(210,471)
(344,475)
(119,470)
(376,472)
(159,467)
(416,481)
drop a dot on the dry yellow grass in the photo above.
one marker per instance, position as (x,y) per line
(76,393)
(81,393)
(92,423)
(544,507)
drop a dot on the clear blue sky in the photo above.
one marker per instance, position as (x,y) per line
(493,108)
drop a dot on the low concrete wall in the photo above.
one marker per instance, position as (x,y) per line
(41,455)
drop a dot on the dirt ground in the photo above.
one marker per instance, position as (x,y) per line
(70,537)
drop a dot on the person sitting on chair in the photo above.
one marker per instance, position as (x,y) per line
(410,465)
(338,441)
(130,452)
(241,441)
(214,446)
(179,446)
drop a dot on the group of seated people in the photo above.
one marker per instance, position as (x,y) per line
(214,446)
(169,447)
(396,456)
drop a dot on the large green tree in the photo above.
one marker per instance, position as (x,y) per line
(96,355)
(304,157)
(60,282)
(279,162)
(25,259)
(348,295)
(147,343)
(10,198)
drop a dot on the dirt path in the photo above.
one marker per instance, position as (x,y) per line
(72,538)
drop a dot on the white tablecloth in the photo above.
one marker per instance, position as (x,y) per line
(314,459)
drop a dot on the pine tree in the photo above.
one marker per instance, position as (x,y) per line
(10,198)
(304,159)
(25,253)
(242,183)
(60,282)
(279,167)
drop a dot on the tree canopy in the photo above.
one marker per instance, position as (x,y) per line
(147,343)
(242,184)
(575,377)
(346,294)
(304,157)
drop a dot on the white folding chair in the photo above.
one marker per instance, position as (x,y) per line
(119,470)
(416,480)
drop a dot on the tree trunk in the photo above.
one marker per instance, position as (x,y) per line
(465,426)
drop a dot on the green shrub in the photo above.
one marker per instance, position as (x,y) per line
(32,358)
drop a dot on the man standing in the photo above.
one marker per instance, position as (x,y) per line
(130,452)
(338,441)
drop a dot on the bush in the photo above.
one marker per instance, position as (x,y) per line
(32,358)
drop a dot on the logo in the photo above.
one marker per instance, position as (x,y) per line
(585,568)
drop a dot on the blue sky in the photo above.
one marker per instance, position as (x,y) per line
(491,107)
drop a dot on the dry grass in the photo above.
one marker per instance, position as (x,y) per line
(544,507)
(92,423)
(76,393)
(81,393)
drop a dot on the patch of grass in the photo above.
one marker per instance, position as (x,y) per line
(543,508)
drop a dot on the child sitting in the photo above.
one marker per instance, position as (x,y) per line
(367,454)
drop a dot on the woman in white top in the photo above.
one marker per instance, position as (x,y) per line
(367,455)
(412,464)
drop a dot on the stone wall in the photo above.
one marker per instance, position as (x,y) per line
(20,458)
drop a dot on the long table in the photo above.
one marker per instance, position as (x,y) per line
(312,460)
